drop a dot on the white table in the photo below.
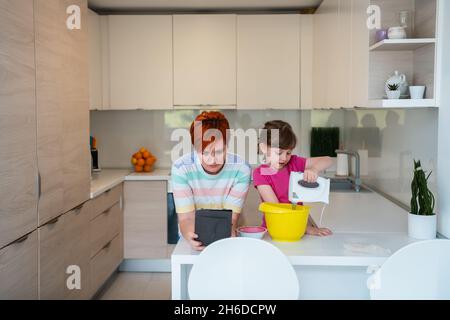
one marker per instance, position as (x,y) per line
(335,267)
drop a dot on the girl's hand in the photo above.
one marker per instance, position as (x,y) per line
(310,176)
(321,232)
(196,245)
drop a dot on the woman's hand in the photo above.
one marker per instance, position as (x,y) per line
(321,232)
(310,176)
(196,245)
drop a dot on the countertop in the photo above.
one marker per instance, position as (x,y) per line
(109,178)
(339,249)
(367,229)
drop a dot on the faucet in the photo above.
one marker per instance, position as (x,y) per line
(357,169)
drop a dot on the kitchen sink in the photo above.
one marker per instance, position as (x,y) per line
(345,185)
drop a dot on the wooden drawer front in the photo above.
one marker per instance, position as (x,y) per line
(106,200)
(19,269)
(106,261)
(104,228)
(77,249)
(52,253)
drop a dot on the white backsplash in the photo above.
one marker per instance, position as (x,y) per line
(393,137)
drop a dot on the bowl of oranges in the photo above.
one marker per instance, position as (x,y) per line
(143,160)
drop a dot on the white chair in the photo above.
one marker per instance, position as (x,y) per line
(418,271)
(242,269)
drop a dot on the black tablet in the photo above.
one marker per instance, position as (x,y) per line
(212,225)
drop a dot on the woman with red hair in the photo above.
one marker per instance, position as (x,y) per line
(209,177)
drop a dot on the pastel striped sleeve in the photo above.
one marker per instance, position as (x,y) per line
(182,192)
(235,199)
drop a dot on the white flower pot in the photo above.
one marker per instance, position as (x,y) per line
(393,94)
(422,227)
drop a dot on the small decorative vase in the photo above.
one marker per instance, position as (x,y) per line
(422,227)
(393,94)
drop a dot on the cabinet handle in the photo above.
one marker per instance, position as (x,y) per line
(53,221)
(39,185)
(20,240)
(106,212)
(78,209)
(106,246)
(107,191)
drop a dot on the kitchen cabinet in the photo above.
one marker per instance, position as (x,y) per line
(95,61)
(268,61)
(62,106)
(145,220)
(332,51)
(105,251)
(19,269)
(140,61)
(18,169)
(77,248)
(52,259)
(204,48)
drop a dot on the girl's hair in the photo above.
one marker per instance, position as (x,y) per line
(285,139)
(205,121)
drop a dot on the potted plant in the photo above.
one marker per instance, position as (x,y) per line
(422,220)
(393,91)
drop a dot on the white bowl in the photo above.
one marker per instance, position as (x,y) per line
(252,232)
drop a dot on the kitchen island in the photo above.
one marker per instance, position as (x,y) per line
(367,229)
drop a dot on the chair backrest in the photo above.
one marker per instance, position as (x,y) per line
(418,271)
(243,269)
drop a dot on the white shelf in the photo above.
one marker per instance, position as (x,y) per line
(402,103)
(401,44)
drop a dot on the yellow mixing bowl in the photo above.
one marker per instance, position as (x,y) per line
(285,223)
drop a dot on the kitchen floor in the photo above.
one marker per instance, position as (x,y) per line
(137,286)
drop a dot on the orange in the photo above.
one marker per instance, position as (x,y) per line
(149,161)
(138,155)
(141,162)
(133,161)
(138,168)
(142,150)
(147,168)
(145,155)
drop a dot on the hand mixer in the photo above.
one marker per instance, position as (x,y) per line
(303,191)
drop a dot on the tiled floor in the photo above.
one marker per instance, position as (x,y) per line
(138,286)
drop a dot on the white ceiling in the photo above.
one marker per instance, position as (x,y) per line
(200,4)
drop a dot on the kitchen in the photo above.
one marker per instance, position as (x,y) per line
(89,86)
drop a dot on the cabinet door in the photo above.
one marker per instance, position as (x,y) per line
(52,279)
(140,61)
(145,220)
(62,108)
(359,78)
(95,62)
(268,61)
(204,60)
(76,234)
(18,169)
(76,157)
(19,269)
(49,21)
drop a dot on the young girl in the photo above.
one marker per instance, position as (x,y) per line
(272,179)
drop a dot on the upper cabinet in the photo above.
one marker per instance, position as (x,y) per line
(204,60)
(139,56)
(268,55)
